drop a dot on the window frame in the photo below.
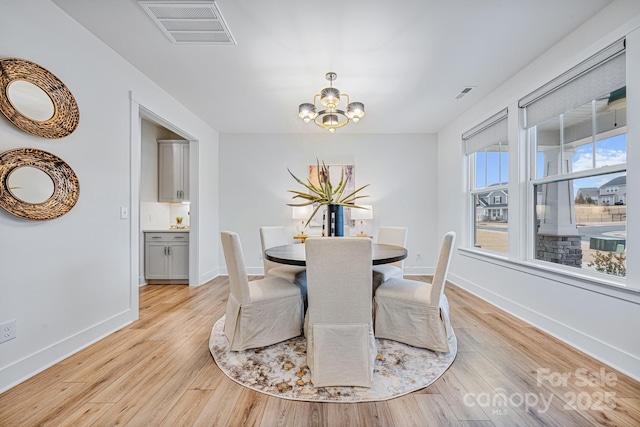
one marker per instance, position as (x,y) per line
(533,181)
(522,218)
(491,126)
(589,81)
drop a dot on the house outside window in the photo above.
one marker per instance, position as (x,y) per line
(576,133)
(487,149)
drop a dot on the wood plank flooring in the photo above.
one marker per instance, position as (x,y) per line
(158,372)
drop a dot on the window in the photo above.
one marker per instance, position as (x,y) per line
(577,135)
(487,149)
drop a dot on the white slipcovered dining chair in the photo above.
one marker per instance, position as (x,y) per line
(414,312)
(341,348)
(259,312)
(271,236)
(390,236)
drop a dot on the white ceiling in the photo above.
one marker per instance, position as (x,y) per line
(406,60)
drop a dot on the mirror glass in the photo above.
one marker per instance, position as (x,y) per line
(30,100)
(31,185)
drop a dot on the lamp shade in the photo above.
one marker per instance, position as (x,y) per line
(355,111)
(366,213)
(330,97)
(302,212)
(307,112)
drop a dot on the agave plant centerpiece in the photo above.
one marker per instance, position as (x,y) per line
(325,194)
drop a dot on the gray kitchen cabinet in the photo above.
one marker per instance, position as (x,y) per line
(166,257)
(173,170)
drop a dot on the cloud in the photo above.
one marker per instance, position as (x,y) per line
(604,157)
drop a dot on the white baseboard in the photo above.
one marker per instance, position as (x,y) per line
(21,370)
(419,271)
(624,362)
(208,276)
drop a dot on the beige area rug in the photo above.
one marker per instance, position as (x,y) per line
(281,370)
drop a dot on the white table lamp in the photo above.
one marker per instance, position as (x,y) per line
(361,215)
(302,213)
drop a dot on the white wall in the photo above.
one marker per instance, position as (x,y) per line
(599,320)
(401,171)
(72,280)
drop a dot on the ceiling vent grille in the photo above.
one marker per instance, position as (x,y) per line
(464,92)
(189,22)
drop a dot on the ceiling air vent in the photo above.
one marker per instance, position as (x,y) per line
(189,22)
(464,92)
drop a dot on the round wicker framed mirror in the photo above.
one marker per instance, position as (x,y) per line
(35,100)
(26,193)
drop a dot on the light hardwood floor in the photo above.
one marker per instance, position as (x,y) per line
(158,372)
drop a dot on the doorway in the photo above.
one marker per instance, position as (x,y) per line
(147,125)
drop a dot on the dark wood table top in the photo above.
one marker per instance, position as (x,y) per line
(295,254)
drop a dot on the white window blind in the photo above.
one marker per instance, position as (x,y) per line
(490,132)
(598,76)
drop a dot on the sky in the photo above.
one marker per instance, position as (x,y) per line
(491,168)
(611,151)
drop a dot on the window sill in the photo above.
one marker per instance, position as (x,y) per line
(612,287)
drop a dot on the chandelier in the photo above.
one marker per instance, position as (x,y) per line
(329,116)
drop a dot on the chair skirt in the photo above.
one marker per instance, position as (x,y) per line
(335,353)
(413,323)
(262,323)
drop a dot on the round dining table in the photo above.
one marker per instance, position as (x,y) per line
(295,254)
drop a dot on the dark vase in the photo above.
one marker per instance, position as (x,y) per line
(335,220)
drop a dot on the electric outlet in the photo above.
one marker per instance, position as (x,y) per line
(7,330)
(418,256)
